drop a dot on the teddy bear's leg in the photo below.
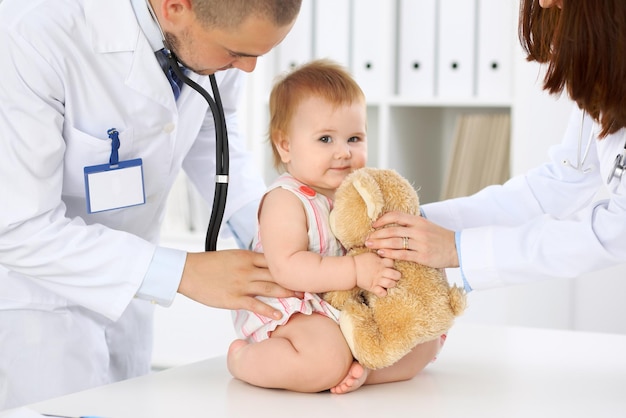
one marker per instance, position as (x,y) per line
(367,337)
(347,329)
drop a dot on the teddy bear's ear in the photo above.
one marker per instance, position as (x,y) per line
(371,194)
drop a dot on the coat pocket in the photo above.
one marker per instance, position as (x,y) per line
(84,150)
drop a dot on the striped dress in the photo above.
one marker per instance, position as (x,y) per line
(253,327)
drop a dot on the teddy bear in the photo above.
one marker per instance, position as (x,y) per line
(420,308)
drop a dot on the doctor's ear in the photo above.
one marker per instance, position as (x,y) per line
(175,12)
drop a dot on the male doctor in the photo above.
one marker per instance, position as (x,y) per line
(81,87)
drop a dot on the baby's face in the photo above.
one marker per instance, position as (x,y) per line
(325,142)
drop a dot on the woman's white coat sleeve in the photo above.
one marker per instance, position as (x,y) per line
(542,225)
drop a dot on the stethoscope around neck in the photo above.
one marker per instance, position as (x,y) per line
(221,139)
(221,149)
(619,166)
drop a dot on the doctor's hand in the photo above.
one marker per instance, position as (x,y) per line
(413,238)
(231,279)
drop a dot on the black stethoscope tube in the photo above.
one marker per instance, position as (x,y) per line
(221,151)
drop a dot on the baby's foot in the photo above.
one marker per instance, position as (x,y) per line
(354,379)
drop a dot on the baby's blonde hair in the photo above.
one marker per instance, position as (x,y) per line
(321,78)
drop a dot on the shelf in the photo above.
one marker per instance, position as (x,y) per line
(437,102)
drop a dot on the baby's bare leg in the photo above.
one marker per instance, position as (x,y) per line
(408,366)
(308,354)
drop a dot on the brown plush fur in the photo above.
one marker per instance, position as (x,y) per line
(380,331)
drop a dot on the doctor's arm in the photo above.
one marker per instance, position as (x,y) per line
(536,226)
(231,279)
(227,279)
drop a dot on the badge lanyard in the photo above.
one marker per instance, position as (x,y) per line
(118,184)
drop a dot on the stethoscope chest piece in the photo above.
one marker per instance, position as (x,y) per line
(618,168)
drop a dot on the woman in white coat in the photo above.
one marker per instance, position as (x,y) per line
(549,222)
(77,289)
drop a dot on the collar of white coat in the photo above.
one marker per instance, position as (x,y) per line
(149,27)
(114,28)
(113,25)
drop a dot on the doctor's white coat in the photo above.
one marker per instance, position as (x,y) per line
(71,70)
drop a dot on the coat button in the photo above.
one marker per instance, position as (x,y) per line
(169,128)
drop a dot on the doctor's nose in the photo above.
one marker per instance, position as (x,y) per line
(247,64)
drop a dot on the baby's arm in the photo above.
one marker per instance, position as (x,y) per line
(283,227)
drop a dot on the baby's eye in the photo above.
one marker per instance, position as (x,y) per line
(354,139)
(326,139)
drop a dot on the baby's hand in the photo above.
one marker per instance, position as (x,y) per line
(375,274)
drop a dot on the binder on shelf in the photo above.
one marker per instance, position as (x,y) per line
(297,47)
(456,54)
(480,154)
(495,39)
(416,48)
(331,38)
(371,44)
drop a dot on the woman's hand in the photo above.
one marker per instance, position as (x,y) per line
(413,238)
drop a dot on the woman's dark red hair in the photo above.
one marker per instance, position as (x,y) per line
(584,47)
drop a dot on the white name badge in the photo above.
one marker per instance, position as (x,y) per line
(114,186)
